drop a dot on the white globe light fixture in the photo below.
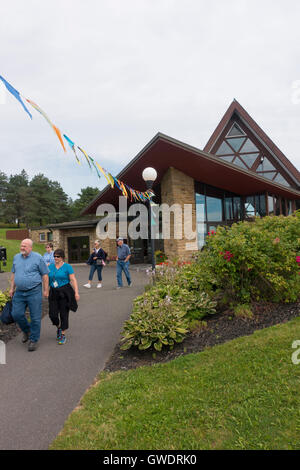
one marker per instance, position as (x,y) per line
(149,176)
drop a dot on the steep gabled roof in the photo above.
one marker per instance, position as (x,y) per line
(235,109)
(163,152)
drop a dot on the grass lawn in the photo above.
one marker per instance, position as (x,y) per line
(13,247)
(243,394)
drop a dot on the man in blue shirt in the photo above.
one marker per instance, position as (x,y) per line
(123,262)
(29,276)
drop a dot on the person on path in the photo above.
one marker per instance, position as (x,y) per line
(48,256)
(123,257)
(63,295)
(97,262)
(29,277)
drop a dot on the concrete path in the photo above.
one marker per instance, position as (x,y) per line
(38,390)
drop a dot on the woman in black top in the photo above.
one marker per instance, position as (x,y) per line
(96,261)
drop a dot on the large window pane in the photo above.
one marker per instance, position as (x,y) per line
(201,219)
(290,207)
(214,209)
(262,205)
(200,207)
(249,207)
(228,208)
(271,205)
(277,206)
(237,208)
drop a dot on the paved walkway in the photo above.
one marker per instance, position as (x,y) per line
(39,389)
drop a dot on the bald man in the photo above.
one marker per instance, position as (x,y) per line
(29,277)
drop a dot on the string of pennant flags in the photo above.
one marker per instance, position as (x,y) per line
(126,190)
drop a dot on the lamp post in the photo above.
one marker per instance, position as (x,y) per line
(149,176)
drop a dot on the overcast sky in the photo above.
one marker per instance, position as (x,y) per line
(111,74)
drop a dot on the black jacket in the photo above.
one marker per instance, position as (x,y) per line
(100,255)
(65,292)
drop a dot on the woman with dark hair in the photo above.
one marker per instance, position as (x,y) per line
(63,294)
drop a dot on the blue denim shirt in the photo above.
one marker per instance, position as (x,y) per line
(28,270)
(49,258)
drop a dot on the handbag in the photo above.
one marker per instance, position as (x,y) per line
(6,316)
(100,262)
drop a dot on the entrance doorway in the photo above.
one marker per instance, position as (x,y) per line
(78,249)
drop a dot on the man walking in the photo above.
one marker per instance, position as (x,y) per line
(29,277)
(123,262)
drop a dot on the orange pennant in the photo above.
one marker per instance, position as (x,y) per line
(57,132)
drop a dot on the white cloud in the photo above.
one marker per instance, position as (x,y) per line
(110,74)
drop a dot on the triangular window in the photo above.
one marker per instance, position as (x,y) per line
(224,149)
(270,174)
(249,147)
(228,158)
(239,162)
(280,179)
(236,143)
(235,131)
(249,158)
(265,165)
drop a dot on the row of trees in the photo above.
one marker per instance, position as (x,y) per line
(39,201)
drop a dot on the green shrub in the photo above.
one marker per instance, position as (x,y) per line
(256,260)
(157,325)
(243,311)
(4,297)
(164,313)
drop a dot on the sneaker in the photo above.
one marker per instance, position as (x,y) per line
(25,337)
(58,334)
(32,345)
(88,285)
(130,285)
(99,285)
(62,339)
(119,287)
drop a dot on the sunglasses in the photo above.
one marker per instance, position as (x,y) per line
(57,256)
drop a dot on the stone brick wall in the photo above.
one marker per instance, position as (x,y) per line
(35,235)
(60,238)
(178,188)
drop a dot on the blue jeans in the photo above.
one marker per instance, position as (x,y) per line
(95,267)
(33,300)
(122,266)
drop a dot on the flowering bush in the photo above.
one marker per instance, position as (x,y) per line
(256,260)
(160,257)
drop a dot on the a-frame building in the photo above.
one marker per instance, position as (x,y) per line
(238,175)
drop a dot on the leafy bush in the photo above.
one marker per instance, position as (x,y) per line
(165,312)
(4,297)
(256,260)
(157,325)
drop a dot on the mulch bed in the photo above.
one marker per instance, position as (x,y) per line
(220,328)
(7,332)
